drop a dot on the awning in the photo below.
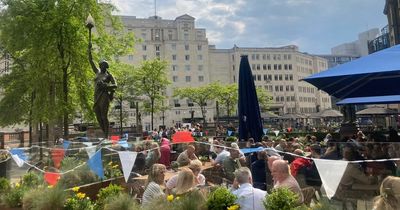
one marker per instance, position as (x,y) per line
(392,99)
(377,74)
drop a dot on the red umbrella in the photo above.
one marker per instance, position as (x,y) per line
(182,137)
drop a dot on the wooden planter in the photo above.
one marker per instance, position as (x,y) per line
(5,167)
(8,208)
(91,190)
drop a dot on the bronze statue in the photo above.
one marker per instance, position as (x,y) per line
(104,89)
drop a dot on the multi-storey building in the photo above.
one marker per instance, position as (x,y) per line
(193,62)
(391,10)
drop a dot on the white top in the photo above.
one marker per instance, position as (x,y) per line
(171,184)
(250,198)
(153,190)
(221,156)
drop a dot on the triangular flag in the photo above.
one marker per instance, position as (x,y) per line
(96,165)
(88,144)
(276,133)
(57,155)
(123,144)
(230,133)
(18,160)
(127,159)
(90,151)
(51,178)
(20,152)
(114,139)
(330,180)
(289,129)
(265,130)
(66,144)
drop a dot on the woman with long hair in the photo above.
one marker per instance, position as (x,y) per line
(154,181)
(389,198)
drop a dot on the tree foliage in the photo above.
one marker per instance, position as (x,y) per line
(151,81)
(47,40)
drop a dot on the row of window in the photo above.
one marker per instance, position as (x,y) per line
(187,78)
(268,77)
(282,98)
(308,110)
(269,57)
(279,88)
(173,47)
(270,67)
(187,57)
(187,67)
(306,89)
(308,99)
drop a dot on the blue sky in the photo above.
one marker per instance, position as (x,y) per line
(314,25)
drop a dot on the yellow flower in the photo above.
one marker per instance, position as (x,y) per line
(110,163)
(177,198)
(115,166)
(50,186)
(170,198)
(81,195)
(233,207)
(75,189)
(17,185)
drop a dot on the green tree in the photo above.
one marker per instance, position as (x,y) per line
(47,41)
(264,99)
(125,92)
(198,95)
(151,81)
(227,96)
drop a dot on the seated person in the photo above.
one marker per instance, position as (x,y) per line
(195,167)
(221,155)
(153,156)
(186,156)
(248,198)
(258,171)
(282,178)
(389,198)
(232,163)
(154,181)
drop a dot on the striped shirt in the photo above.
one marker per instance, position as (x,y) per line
(153,190)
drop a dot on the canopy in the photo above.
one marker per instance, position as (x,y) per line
(376,111)
(377,74)
(250,124)
(393,99)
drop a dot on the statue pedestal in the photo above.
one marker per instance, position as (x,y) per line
(348,130)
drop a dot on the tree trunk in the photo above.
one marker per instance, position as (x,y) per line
(152,113)
(65,91)
(120,117)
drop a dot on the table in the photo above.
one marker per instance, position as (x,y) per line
(171,173)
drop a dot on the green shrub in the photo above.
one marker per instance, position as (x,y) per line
(14,197)
(31,180)
(231,139)
(29,198)
(121,202)
(78,201)
(79,176)
(281,199)
(50,198)
(5,185)
(110,191)
(220,199)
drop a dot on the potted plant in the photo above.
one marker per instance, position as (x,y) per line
(5,164)
(222,199)
(229,140)
(281,198)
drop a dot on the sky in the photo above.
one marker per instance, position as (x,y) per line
(315,26)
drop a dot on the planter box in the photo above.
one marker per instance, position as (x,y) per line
(5,167)
(91,190)
(8,208)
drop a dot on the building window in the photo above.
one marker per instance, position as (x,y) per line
(264,66)
(187,57)
(175,78)
(199,47)
(187,67)
(158,54)
(144,47)
(200,67)
(174,68)
(144,57)
(169,36)
(258,67)
(201,78)
(187,78)
(186,36)
(264,56)
(144,36)
(290,67)
(130,57)
(173,46)
(199,57)
(186,47)
(157,47)
(174,57)
(259,77)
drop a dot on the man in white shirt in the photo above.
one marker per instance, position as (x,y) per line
(221,155)
(248,197)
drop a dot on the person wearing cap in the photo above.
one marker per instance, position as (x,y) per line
(233,161)
(104,89)
(248,197)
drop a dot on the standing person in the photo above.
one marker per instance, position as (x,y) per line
(165,150)
(258,171)
(104,89)
(154,181)
(248,198)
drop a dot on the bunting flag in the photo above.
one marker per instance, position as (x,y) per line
(18,160)
(124,144)
(182,137)
(330,180)
(20,152)
(206,132)
(90,151)
(66,144)
(127,159)
(265,130)
(57,155)
(289,129)
(114,139)
(126,136)
(51,178)
(96,165)
(88,144)
(230,133)
(276,133)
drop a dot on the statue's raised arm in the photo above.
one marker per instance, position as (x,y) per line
(94,68)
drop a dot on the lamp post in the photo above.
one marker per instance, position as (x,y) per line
(90,25)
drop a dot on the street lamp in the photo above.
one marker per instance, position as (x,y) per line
(90,25)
